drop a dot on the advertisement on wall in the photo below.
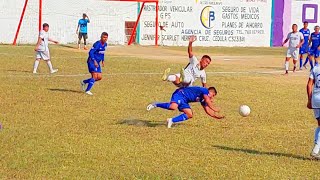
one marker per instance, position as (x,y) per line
(213,22)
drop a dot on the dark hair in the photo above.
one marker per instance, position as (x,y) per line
(305,22)
(45,25)
(294,25)
(206,56)
(104,34)
(213,89)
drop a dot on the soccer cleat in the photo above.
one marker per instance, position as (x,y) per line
(89,93)
(54,71)
(151,106)
(165,74)
(34,72)
(83,85)
(182,76)
(169,122)
(305,66)
(315,156)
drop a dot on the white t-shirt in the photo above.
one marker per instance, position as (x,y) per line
(315,75)
(193,70)
(294,39)
(44,42)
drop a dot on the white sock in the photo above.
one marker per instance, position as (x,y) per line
(79,46)
(316,141)
(35,66)
(171,78)
(286,65)
(50,65)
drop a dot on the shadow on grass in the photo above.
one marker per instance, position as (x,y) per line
(68,46)
(255,152)
(66,90)
(137,122)
(273,68)
(13,70)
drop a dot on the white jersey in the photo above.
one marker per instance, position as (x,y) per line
(315,75)
(294,39)
(193,70)
(44,41)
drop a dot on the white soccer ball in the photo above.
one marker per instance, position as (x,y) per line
(244,110)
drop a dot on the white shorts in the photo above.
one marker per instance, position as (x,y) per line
(293,52)
(316,113)
(45,55)
(187,79)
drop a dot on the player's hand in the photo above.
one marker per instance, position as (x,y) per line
(56,42)
(96,64)
(102,64)
(298,46)
(192,39)
(309,104)
(36,48)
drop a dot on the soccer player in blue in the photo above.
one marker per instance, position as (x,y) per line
(83,24)
(96,55)
(304,49)
(182,97)
(314,41)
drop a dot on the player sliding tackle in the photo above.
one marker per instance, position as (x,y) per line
(182,97)
(296,40)
(191,72)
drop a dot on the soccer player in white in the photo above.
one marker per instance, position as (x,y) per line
(191,72)
(296,39)
(313,90)
(42,49)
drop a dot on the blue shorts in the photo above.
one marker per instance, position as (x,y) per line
(304,49)
(178,97)
(93,69)
(314,52)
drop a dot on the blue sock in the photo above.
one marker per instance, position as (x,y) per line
(307,59)
(181,117)
(87,80)
(301,63)
(163,105)
(90,84)
(311,64)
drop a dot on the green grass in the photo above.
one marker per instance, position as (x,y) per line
(52,130)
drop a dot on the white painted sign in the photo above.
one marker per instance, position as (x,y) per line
(214,22)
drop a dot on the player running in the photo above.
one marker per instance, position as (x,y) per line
(42,49)
(313,90)
(96,55)
(191,72)
(182,97)
(83,24)
(314,41)
(305,46)
(295,39)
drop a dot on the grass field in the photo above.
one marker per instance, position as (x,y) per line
(53,130)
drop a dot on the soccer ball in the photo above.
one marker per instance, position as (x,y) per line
(244,110)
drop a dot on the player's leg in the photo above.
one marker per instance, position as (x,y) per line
(46,57)
(316,58)
(163,105)
(301,53)
(295,57)
(311,57)
(187,114)
(85,37)
(79,40)
(36,64)
(315,151)
(286,65)
(166,76)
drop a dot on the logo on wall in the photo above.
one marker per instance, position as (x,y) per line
(207,17)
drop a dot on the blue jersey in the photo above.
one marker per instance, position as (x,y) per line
(306,35)
(194,94)
(83,23)
(97,51)
(315,40)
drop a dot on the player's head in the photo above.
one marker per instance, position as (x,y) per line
(294,27)
(84,15)
(316,29)
(305,24)
(45,27)
(212,92)
(104,37)
(205,61)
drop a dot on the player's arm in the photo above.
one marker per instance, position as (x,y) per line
(309,91)
(310,41)
(38,43)
(285,41)
(92,51)
(191,40)
(208,102)
(212,113)
(204,80)
(88,18)
(77,31)
(51,40)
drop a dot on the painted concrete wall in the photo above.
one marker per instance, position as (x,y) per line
(63,16)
